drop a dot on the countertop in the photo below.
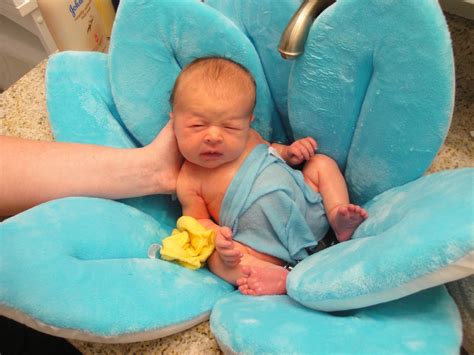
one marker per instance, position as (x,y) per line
(23,114)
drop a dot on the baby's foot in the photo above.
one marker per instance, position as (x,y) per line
(345,220)
(258,281)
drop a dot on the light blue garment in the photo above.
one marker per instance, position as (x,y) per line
(270,208)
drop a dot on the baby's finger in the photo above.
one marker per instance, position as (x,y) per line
(231,261)
(303,150)
(313,142)
(226,233)
(230,253)
(295,151)
(222,243)
(309,145)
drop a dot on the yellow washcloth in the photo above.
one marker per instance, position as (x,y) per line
(189,245)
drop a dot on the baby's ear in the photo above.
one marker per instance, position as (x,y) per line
(252,117)
(171,116)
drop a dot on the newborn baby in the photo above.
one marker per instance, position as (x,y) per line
(212,107)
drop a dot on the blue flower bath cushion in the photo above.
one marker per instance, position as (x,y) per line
(79,268)
(425,323)
(146,59)
(375,87)
(417,236)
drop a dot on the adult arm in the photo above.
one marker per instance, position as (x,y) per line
(33,172)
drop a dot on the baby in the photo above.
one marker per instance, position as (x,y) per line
(212,107)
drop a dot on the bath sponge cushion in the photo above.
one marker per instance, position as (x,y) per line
(279,325)
(417,236)
(81,109)
(375,87)
(146,59)
(78,268)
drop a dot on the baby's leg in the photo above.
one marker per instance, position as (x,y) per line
(256,274)
(324,176)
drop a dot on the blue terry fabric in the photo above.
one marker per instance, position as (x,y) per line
(146,59)
(270,208)
(375,87)
(425,323)
(414,234)
(81,264)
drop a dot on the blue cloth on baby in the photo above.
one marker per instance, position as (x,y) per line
(270,208)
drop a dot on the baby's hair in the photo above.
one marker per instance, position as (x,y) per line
(215,69)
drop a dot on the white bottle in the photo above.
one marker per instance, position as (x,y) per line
(74,24)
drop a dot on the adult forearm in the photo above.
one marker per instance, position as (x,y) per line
(33,172)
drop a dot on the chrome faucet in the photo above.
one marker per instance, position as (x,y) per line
(294,37)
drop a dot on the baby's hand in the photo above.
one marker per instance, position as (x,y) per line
(301,150)
(225,247)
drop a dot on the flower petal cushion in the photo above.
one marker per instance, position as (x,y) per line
(79,268)
(375,87)
(425,323)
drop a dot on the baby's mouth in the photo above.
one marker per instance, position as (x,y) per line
(211,154)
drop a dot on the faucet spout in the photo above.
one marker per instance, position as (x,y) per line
(294,37)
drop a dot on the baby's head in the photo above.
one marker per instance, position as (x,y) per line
(212,106)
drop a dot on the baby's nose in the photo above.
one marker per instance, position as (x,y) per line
(213,135)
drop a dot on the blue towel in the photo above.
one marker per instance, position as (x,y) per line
(270,208)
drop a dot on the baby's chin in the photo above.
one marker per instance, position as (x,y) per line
(210,162)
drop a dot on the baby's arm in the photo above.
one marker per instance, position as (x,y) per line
(193,205)
(192,202)
(299,151)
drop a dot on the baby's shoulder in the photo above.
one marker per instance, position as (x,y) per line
(256,138)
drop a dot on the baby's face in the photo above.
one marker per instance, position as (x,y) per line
(211,131)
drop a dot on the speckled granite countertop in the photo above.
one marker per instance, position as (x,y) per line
(23,114)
